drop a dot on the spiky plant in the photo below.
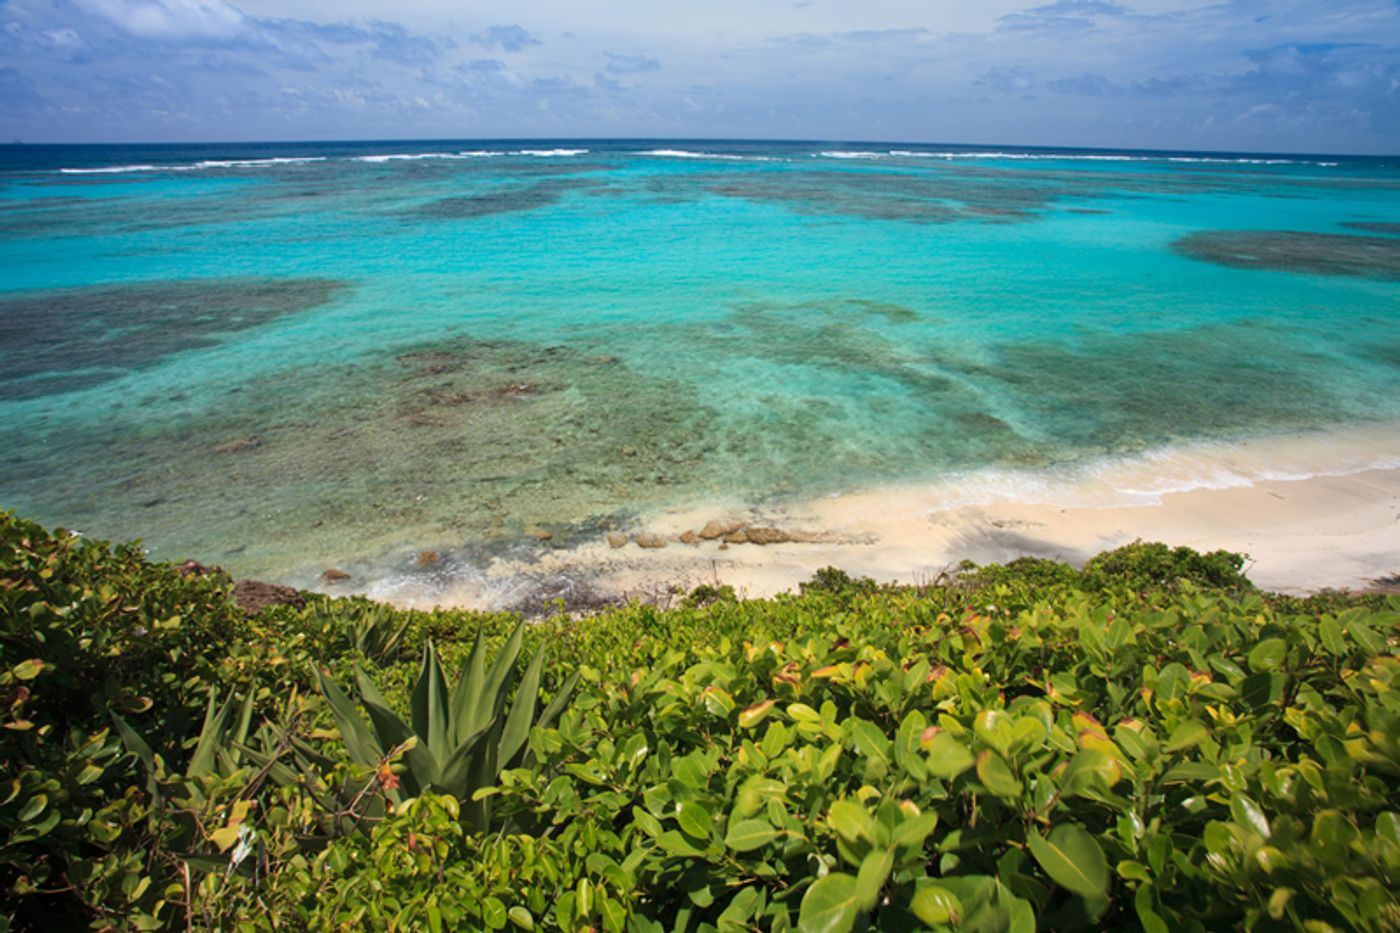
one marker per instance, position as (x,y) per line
(459,739)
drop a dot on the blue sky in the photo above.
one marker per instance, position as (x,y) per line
(1300,75)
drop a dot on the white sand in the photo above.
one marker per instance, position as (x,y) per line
(1311,510)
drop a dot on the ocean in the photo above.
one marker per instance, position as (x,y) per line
(287,356)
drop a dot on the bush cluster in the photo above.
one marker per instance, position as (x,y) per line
(1146,743)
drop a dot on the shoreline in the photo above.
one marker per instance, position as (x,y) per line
(1314,510)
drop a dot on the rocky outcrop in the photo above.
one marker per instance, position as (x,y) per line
(334,575)
(717,528)
(193,568)
(648,540)
(616,539)
(757,535)
(253,596)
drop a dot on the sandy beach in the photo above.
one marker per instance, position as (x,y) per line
(1312,511)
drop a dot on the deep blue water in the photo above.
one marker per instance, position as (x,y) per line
(283,355)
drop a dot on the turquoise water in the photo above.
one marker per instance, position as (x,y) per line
(286,356)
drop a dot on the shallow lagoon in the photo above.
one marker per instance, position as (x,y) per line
(351,356)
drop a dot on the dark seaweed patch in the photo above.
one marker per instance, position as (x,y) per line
(1374,227)
(60,341)
(1125,392)
(1293,251)
(468,207)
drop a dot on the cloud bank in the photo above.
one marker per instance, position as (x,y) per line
(1279,75)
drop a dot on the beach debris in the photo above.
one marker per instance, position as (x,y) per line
(628,451)
(616,539)
(237,444)
(427,558)
(718,528)
(253,596)
(334,575)
(648,540)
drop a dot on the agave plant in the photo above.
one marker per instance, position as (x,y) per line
(459,740)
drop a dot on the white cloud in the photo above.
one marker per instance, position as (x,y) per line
(172,20)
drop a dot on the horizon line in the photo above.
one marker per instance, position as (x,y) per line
(19,143)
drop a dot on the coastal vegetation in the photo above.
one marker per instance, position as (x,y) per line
(1148,742)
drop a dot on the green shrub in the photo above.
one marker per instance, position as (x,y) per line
(460,739)
(1144,566)
(1144,744)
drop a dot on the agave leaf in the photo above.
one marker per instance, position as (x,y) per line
(245,718)
(388,727)
(210,736)
(453,779)
(551,712)
(136,745)
(431,714)
(359,742)
(522,713)
(280,774)
(423,766)
(561,699)
(467,698)
(498,679)
(482,773)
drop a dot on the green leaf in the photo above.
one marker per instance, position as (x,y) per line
(694,819)
(1268,655)
(1072,858)
(33,807)
(755,714)
(871,742)
(996,776)
(430,714)
(911,833)
(830,905)
(522,713)
(28,670)
(747,835)
(851,820)
(947,757)
(521,918)
(354,732)
(1186,735)
(1366,637)
(937,906)
(875,868)
(493,913)
(673,843)
(1247,813)
(1331,635)
(995,728)
(1262,689)
(497,683)
(211,736)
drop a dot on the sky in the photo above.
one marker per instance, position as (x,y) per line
(1250,75)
